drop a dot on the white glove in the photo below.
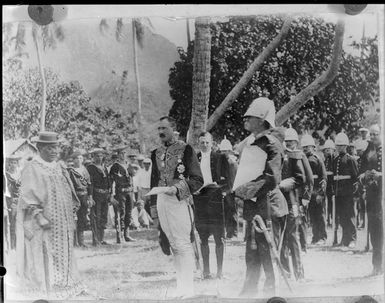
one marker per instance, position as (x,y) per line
(295,210)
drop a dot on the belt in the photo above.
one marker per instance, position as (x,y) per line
(81,192)
(125,190)
(101,191)
(329,173)
(342,177)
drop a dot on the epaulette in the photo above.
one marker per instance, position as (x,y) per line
(295,154)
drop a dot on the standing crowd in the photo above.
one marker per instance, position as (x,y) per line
(282,185)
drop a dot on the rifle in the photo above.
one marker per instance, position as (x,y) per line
(334,223)
(194,240)
(262,229)
(367,246)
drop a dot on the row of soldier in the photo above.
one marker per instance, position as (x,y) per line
(275,185)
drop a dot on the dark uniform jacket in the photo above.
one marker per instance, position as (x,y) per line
(176,165)
(219,169)
(344,166)
(122,177)
(319,173)
(270,200)
(99,177)
(372,159)
(81,183)
(329,172)
(293,169)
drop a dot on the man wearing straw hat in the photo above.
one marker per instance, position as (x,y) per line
(101,194)
(12,175)
(82,183)
(46,221)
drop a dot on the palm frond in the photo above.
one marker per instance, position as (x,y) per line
(119,29)
(139,30)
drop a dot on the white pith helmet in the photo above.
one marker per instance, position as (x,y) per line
(291,135)
(262,108)
(225,145)
(307,140)
(329,144)
(342,139)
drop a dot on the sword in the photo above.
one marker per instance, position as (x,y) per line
(262,229)
(334,223)
(194,241)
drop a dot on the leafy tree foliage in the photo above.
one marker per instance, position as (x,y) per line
(69,112)
(300,59)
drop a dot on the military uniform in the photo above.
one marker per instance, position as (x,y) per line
(101,192)
(81,181)
(316,205)
(121,177)
(345,172)
(329,187)
(372,160)
(176,164)
(293,171)
(266,150)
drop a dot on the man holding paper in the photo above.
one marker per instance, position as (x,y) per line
(176,170)
(256,182)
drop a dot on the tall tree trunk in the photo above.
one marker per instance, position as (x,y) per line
(44,84)
(137,80)
(248,74)
(318,84)
(201,79)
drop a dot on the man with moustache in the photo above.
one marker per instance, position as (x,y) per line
(101,194)
(345,170)
(175,167)
(209,204)
(46,214)
(371,178)
(256,183)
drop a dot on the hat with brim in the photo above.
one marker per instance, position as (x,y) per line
(47,138)
(13,157)
(140,158)
(120,148)
(147,160)
(363,129)
(96,151)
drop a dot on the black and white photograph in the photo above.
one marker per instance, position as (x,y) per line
(193,153)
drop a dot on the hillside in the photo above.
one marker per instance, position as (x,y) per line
(97,60)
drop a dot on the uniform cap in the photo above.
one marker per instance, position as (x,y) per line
(329,144)
(342,139)
(140,158)
(147,160)
(225,145)
(262,108)
(97,150)
(307,140)
(363,129)
(120,148)
(291,134)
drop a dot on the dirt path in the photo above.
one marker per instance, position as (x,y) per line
(139,270)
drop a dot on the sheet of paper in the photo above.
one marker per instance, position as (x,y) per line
(157,191)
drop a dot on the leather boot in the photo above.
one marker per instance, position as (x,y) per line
(102,237)
(127,237)
(219,250)
(118,236)
(205,250)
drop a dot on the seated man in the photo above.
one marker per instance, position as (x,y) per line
(140,217)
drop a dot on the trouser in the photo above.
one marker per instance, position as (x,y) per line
(291,246)
(346,218)
(360,219)
(230,216)
(255,259)
(120,211)
(146,199)
(329,217)
(83,221)
(205,230)
(99,213)
(316,212)
(302,227)
(376,233)
(278,226)
(175,218)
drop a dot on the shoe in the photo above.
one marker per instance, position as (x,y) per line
(352,244)
(129,239)
(104,243)
(207,277)
(321,242)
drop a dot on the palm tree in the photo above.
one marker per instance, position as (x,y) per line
(137,39)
